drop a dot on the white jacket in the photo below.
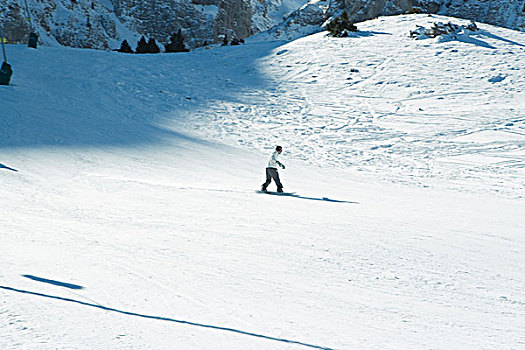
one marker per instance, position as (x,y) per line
(272,161)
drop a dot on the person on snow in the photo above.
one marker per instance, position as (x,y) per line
(271,170)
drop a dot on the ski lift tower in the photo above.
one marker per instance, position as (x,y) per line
(33,36)
(5,71)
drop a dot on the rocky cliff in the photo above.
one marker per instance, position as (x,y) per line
(103,24)
(311,16)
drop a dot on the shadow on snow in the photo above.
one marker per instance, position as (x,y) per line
(233,330)
(493,36)
(474,39)
(92,98)
(53,282)
(2,166)
(323,199)
(471,40)
(365,33)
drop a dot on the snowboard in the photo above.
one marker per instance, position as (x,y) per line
(277,193)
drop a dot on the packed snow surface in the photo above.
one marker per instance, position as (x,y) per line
(130,218)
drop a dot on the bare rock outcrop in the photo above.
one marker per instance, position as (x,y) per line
(311,16)
(103,24)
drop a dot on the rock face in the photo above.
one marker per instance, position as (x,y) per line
(103,24)
(267,14)
(510,14)
(200,20)
(234,18)
(504,13)
(76,23)
(13,23)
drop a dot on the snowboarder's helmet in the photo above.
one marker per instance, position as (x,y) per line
(278,148)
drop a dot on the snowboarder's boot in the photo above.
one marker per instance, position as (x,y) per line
(263,188)
(280,189)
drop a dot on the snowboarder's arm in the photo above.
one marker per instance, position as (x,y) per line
(274,159)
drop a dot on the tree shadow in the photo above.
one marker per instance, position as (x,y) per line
(468,39)
(2,166)
(474,39)
(365,33)
(233,330)
(471,40)
(53,282)
(493,36)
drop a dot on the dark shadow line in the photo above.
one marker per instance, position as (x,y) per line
(324,199)
(2,166)
(365,33)
(490,35)
(475,41)
(167,319)
(377,33)
(53,282)
(467,39)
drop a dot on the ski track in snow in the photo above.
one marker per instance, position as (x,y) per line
(128,176)
(404,121)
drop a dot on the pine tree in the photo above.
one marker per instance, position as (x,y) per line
(181,47)
(152,46)
(142,46)
(176,43)
(333,26)
(225,41)
(124,47)
(340,26)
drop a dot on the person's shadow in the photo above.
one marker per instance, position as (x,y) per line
(324,199)
(2,166)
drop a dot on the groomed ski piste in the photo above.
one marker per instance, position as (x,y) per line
(130,217)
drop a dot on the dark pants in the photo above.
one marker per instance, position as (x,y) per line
(271,173)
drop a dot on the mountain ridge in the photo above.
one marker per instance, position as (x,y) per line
(103,24)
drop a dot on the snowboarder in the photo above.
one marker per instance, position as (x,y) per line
(271,170)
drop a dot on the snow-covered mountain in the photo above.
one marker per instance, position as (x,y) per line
(129,217)
(310,17)
(104,24)
(267,14)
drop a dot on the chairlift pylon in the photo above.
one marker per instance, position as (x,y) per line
(33,36)
(5,71)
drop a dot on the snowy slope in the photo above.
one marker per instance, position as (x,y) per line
(434,112)
(129,216)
